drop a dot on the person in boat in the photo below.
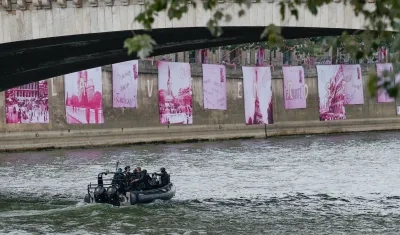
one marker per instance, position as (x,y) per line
(119,179)
(128,176)
(143,182)
(127,173)
(165,179)
(137,173)
(146,180)
(134,181)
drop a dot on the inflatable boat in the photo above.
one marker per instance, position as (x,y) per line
(111,193)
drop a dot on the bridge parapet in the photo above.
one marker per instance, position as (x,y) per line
(33,19)
(13,5)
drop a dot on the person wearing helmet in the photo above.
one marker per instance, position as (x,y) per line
(143,180)
(128,176)
(127,170)
(165,179)
(119,179)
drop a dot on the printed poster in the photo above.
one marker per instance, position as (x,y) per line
(257,85)
(28,103)
(84,97)
(354,92)
(382,95)
(331,92)
(175,93)
(125,81)
(295,88)
(214,87)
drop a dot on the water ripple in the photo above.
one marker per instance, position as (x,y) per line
(319,184)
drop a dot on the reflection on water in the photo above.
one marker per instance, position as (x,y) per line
(295,185)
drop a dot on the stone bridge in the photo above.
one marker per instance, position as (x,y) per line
(33,19)
(46,38)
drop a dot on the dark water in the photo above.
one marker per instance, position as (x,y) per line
(339,184)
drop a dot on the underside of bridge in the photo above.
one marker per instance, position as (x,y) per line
(23,62)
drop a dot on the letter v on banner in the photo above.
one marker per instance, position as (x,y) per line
(150,87)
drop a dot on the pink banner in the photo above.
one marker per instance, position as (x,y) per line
(383,96)
(214,86)
(260,56)
(175,93)
(125,80)
(353,89)
(84,97)
(28,103)
(257,87)
(295,87)
(205,56)
(331,92)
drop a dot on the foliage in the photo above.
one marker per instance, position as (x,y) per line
(383,15)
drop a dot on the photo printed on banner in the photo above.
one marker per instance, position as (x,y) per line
(214,86)
(28,103)
(125,81)
(175,93)
(257,86)
(84,97)
(331,92)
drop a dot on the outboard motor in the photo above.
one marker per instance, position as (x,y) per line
(100,195)
(113,197)
(100,179)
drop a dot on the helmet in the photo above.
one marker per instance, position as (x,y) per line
(127,167)
(119,170)
(162,169)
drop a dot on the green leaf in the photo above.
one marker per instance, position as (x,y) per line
(312,7)
(141,44)
(295,13)
(282,10)
(393,91)
(228,18)
(218,15)
(372,84)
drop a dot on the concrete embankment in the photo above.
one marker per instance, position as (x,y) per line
(19,141)
(141,125)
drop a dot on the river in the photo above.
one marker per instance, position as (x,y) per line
(322,184)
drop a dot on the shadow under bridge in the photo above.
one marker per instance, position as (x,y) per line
(23,62)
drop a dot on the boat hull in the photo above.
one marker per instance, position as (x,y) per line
(136,197)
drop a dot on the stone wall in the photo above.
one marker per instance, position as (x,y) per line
(143,121)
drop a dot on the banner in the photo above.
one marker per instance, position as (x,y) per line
(28,103)
(125,80)
(214,86)
(260,56)
(331,92)
(295,88)
(353,89)
(382,95)
(257,87)
(175,93)
(84,97)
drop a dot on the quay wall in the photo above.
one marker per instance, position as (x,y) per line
(141,125)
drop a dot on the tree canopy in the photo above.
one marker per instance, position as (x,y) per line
(384,14)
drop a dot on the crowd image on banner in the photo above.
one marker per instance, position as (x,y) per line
(28,103)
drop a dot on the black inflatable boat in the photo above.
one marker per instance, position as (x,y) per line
(110,193)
